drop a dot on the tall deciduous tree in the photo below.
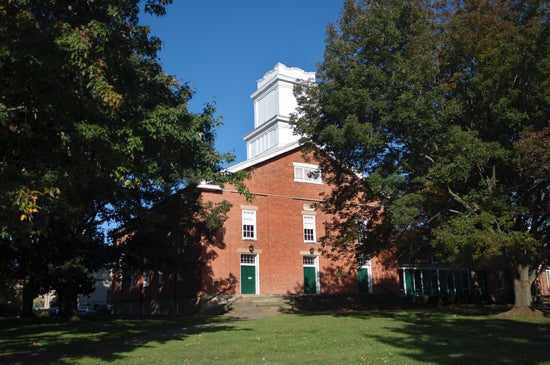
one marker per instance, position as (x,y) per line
(91,130)
(434,118)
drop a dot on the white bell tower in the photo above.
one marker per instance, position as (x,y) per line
(274,101)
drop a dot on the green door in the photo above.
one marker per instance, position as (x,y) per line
(409,283)
(248,279)
(363,279)
(310,282)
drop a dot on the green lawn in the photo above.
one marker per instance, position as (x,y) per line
(451,336)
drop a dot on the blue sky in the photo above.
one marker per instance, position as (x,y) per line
(222,47)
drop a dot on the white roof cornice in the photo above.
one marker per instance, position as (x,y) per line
(264,157)
(251,162)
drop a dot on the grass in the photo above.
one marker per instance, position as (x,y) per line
(43,340)
(427,336)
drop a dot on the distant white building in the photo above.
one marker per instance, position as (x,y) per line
(101,296)
(43,301)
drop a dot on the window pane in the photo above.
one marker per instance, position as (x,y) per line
(249,223)
(298,173)
(248,231)
(248,259)
(307,173)
(309,228)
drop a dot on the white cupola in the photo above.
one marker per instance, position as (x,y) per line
(274,101)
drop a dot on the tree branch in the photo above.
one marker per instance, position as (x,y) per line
(457,198)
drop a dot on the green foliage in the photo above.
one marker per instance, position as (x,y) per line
(176,237)
(439,112)
(91,128)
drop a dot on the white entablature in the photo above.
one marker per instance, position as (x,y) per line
(274,101)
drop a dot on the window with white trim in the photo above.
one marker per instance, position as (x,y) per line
(308,260)
(249,224)
(548,278)
(362,230)
(307,173)
(248,259)
(309,227)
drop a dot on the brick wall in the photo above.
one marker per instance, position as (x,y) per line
(279,203)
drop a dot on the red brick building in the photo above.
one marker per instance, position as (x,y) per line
(270,245)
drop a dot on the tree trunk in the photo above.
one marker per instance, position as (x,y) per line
(69,303)
(478,291)
(522,287)
(29,293)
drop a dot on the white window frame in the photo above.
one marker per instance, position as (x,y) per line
(309,207)
(362,228)
(367,265)
(309,223)
(249,220)
(548,278)
(307,173)
(248,259)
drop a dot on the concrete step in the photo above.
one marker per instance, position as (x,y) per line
(254,306)
(258,306)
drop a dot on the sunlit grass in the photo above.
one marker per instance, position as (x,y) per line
(440,337)
(23,337)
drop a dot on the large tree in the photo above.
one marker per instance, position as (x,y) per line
(92,130)
(433,118)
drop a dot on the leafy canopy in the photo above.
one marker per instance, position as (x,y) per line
(92,129)
(433,119)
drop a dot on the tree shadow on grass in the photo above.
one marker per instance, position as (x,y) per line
(42,341)
(461,336)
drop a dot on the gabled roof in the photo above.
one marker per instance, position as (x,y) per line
(263,157)
(253,162)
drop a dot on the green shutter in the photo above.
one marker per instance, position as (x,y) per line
(409,282)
